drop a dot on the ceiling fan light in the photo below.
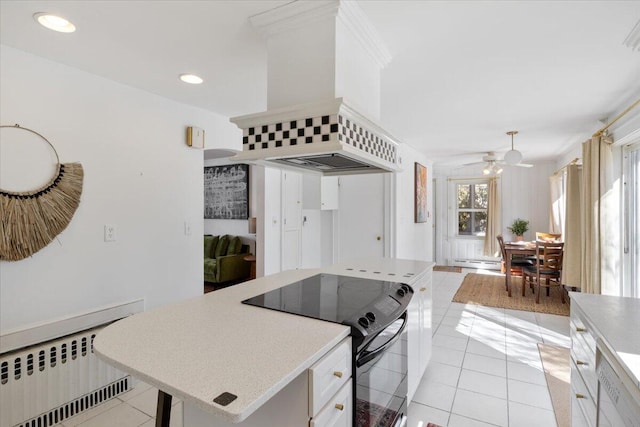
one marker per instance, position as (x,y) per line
(513,157)
(486,170)
(498,170)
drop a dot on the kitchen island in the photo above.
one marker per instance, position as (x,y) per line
(605,350)
(213,345)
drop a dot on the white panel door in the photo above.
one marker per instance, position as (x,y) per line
(291,219)
(361,227)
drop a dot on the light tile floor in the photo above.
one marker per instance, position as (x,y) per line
(485,370)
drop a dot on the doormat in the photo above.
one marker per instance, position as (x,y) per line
(447,269)
(555,362)
(489,290)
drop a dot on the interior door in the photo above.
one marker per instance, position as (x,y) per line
(291,219)
(360,218)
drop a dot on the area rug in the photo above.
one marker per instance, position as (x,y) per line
(488,290)
(555,361)
(447,269)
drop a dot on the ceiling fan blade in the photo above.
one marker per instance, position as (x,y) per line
(524,165)
(474,163)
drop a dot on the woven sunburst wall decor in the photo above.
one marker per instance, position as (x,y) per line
(30,220)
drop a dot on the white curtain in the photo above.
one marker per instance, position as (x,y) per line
(598,255)
(571,261)
(557,204)
(491,247)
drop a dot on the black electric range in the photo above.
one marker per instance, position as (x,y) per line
(376,311)
(367,305)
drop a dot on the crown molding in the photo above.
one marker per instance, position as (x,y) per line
(293,15)
(354,18)
(299,14)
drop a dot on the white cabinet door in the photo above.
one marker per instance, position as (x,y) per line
(329,196)
(426,332)
(320,192)
(413,346)
(292,220)
(419,332)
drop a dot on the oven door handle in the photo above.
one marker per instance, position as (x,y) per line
(364,356)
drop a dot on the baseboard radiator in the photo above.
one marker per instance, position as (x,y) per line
(476,263)
(45,384)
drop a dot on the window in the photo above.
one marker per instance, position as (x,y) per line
(472,199)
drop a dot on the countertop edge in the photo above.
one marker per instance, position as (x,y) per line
(224,414)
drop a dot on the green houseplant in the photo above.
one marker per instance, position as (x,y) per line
(519,227)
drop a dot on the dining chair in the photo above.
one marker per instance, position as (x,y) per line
(548,269)
(545,237)
(548,236)
(516,262)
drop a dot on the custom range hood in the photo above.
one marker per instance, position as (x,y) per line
(323,92)
(327,137)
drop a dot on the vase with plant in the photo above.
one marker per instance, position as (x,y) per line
(519,227)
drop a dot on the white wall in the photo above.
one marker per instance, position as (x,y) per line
(139,176)
(413,241)
(524,193)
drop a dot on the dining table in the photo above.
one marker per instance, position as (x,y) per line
(520,248)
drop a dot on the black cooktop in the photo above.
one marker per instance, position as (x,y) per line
(366,305)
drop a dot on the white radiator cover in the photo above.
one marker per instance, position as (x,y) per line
(476,263)
(47,383)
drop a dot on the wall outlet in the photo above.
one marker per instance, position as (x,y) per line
(109,233)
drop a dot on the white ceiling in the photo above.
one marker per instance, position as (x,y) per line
(462,73)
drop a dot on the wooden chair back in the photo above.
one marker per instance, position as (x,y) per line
(549,255)
(548,236)
(501,243)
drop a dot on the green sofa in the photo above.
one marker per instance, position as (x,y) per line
(224,259)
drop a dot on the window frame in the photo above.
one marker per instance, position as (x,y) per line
(631,221)
(472,210)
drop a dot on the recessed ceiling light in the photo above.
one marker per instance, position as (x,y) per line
(191,78)
(54,22)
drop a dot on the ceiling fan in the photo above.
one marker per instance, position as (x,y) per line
(511,158)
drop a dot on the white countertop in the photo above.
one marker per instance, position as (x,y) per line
(616,320)
(199,348)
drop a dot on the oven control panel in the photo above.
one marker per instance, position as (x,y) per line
(382,312)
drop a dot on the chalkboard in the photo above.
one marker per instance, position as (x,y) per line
(226,192)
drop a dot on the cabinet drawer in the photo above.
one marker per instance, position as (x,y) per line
(585,364)
(329,374)
(582,401)
(583,354)
(581,333)
(338,412)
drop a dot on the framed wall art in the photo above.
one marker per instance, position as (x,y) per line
(226,192)
(420,193)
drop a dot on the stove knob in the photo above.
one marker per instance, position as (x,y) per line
(401,292)
(363,322)
(405,288)
(371,317)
